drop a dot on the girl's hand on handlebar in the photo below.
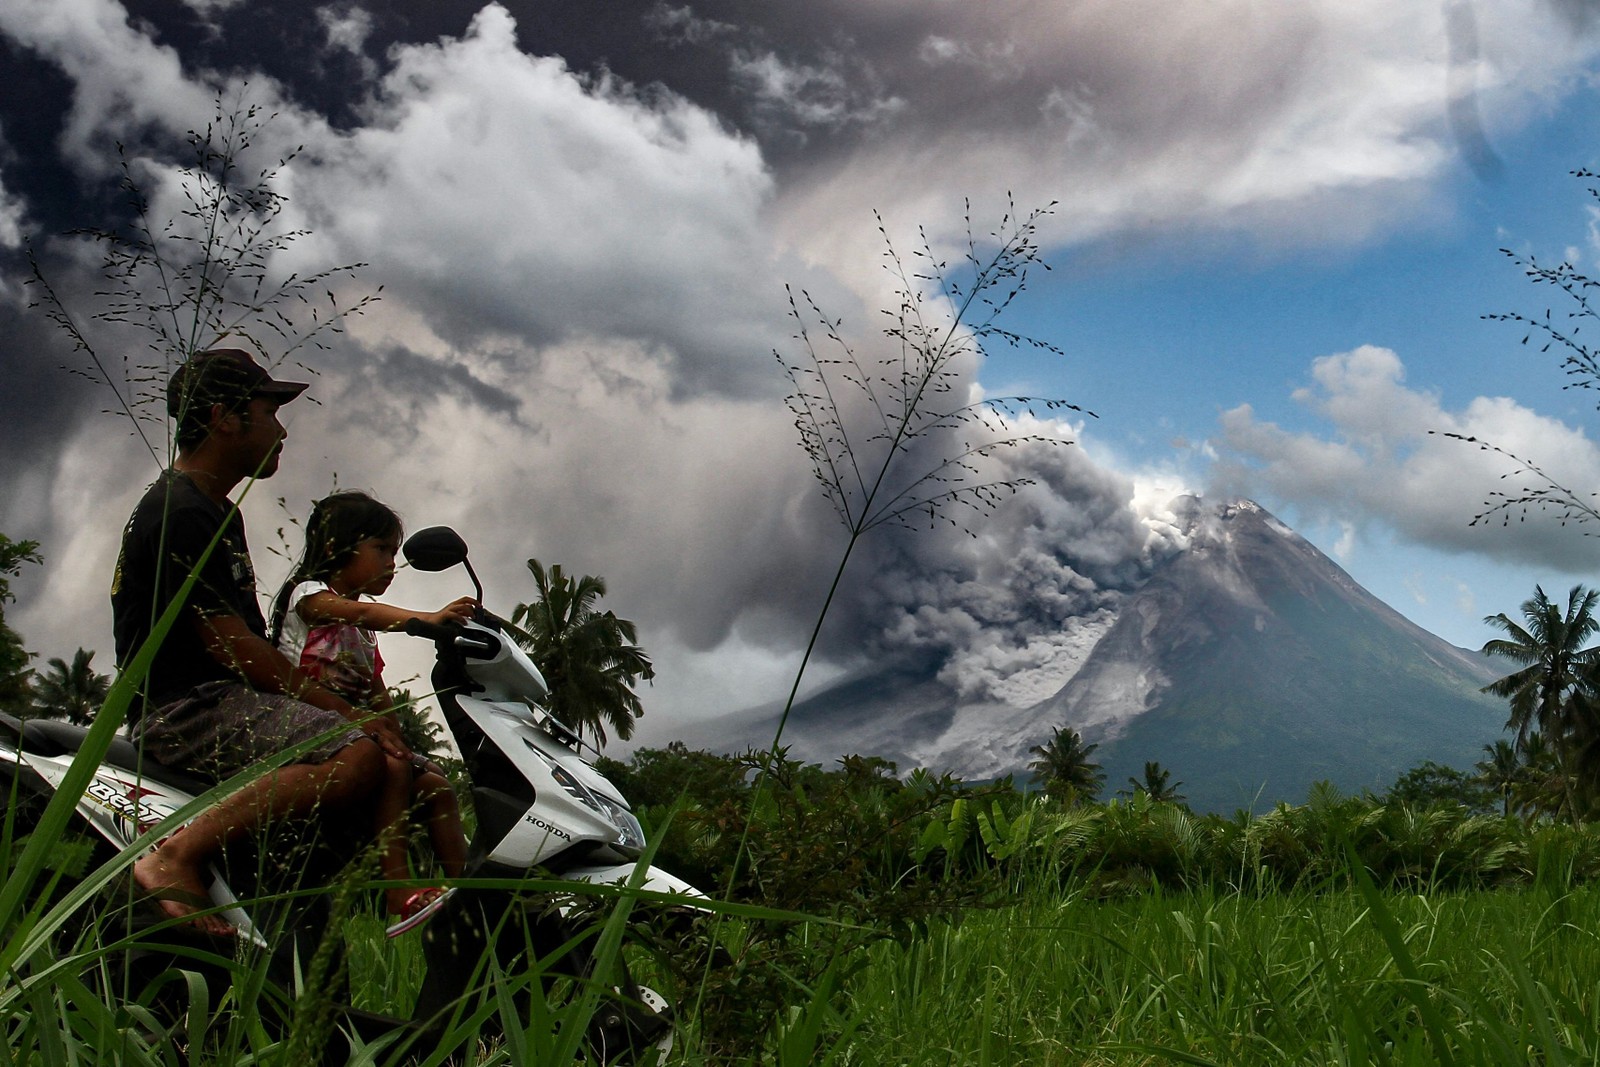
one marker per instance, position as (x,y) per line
(456,611)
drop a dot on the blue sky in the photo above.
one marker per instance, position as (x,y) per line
(1270,253)
(1232,319)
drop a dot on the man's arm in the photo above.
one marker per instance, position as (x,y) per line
(232,643)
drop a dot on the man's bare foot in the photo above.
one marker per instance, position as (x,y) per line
(178,890)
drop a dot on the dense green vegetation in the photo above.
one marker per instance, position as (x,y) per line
(875,918)
(1054,928)
(1203,977)
(14,670)
(957,924)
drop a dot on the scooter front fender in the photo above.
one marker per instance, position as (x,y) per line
(656,880)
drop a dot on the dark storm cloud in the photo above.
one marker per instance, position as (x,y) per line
(935,86)
(1091,88)
(427,381)
(31,111)
(46,400)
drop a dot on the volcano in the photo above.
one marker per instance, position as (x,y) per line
(1249,664)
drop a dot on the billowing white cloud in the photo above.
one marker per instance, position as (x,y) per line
(576,275)
(125,85)
(498,193)
(1385,458)
(572,361)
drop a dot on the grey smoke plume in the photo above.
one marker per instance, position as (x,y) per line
(1011,611)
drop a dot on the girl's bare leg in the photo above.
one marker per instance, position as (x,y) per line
(394,796)
(444,822)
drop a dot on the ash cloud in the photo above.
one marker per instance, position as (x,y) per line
(1009,613)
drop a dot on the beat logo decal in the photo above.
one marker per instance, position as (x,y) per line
(126,801)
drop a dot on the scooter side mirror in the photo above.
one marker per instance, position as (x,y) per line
(438,548)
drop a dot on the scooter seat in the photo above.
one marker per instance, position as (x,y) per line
(52,737)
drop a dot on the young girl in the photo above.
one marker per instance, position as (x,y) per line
(324,619)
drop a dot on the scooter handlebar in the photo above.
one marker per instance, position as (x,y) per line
(472,642)
(433,631)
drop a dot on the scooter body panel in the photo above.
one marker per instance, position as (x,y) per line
(120,805)
(573,805)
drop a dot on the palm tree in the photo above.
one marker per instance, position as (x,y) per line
(1502,770)
(1543,789)
(422,734)
(16,677)
(1155,783)
(1583,733)
(589,658)
(1553,648)
(72,692)
(1064,766)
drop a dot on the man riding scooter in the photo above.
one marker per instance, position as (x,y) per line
(219,697)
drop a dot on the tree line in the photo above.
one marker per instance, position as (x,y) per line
(73,691)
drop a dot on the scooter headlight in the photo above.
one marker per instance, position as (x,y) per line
(631,834)
(626,823)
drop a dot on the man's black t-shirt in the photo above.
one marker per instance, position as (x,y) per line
(166,535)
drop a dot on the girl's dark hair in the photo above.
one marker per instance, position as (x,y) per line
(338,523)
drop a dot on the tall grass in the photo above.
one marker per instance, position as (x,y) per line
(1489,977)
(1059,977)
(1330,972)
